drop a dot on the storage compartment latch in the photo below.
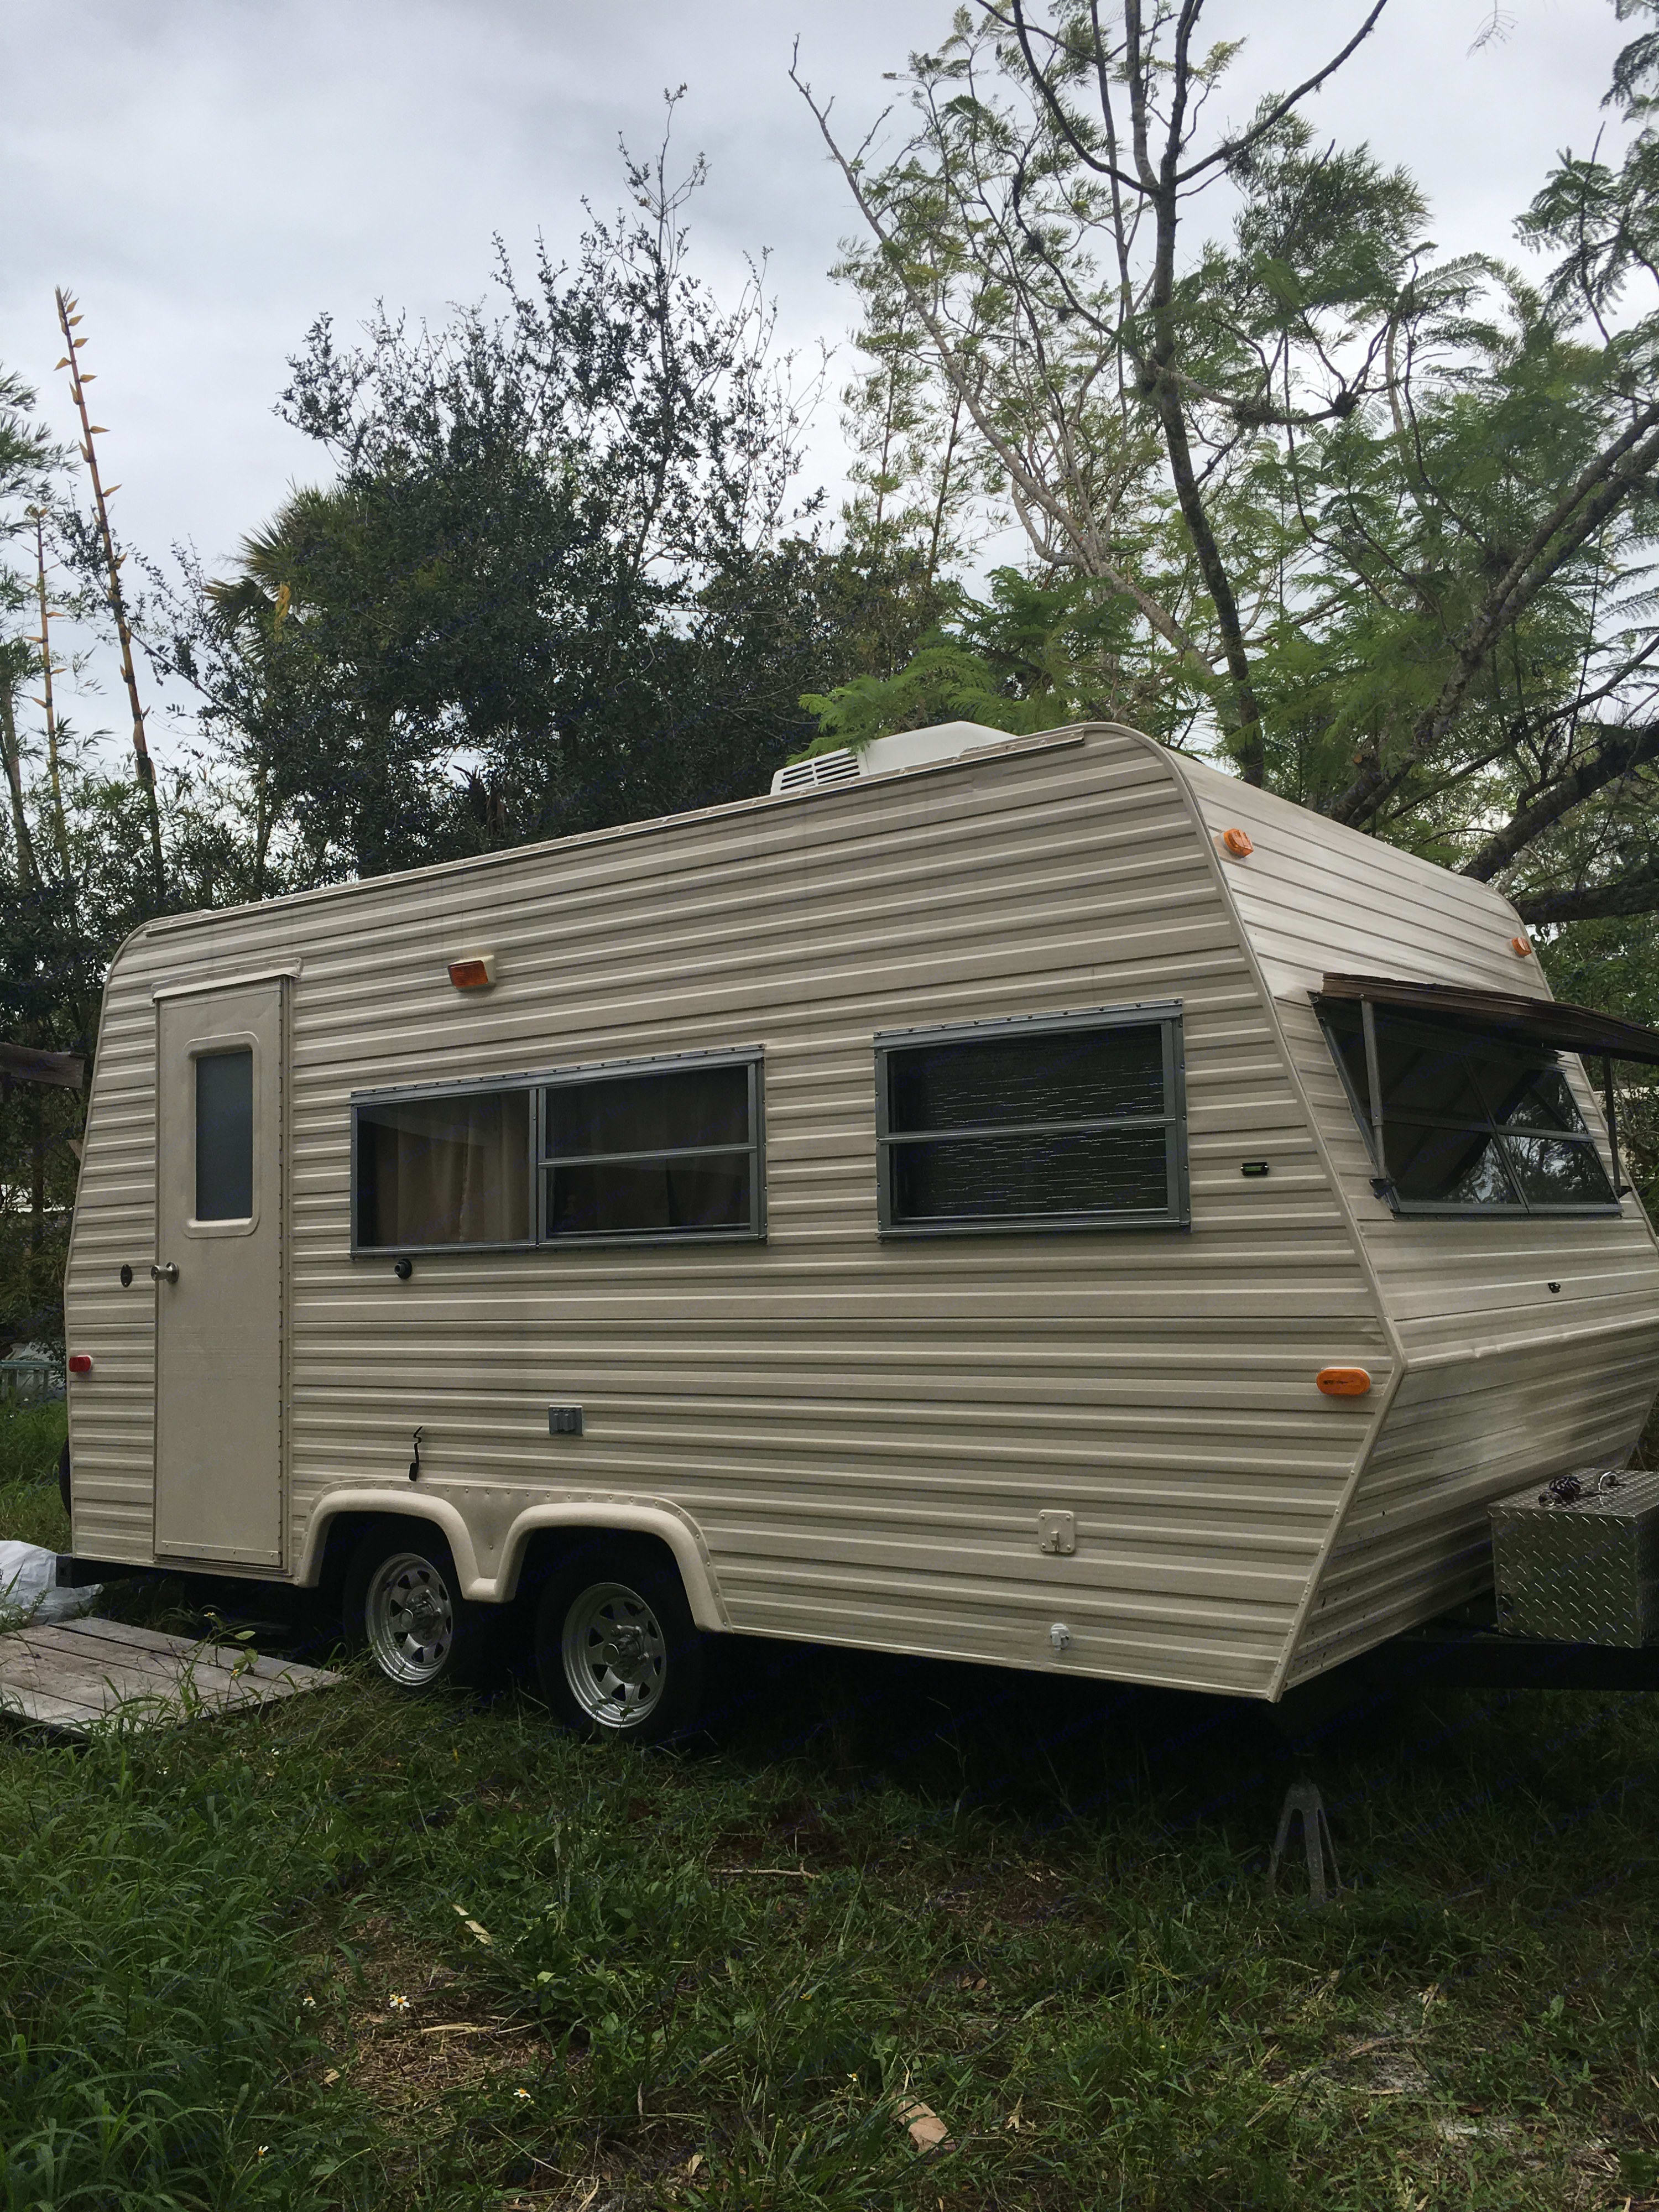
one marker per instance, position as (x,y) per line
(1057,1533)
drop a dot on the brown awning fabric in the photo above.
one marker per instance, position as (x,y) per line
(1544,1021)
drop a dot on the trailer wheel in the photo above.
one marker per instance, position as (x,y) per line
(402,1604)
(617,1654)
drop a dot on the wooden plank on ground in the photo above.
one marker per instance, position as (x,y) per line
(52,1712)
(41,1663)
(146,1672)
(77,1649)
(72,1676)
(219,1654)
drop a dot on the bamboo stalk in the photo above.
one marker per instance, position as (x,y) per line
(145,767)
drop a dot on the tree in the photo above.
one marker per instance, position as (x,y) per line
(1378,526)
(560,579)
(36,1167)
(1030,228)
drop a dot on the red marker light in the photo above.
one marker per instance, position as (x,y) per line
(80,1363)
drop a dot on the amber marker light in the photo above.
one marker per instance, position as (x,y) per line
(1237,843)
(1520,946)
(475,974)
(1343,1382)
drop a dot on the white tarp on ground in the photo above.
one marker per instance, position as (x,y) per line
(28,1587)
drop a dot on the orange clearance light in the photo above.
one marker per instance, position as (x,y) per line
(475,974)
(1343,1382)
(80,1363)
(1520,945)
(1237,843)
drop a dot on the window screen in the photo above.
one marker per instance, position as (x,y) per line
(224,1135)
(1067,1124)
(669,1152)
(451,1170)
(1472,1122)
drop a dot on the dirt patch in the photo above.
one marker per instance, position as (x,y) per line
(414,2032)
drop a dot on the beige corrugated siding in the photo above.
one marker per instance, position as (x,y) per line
(112,1410)
(863,1432)
(1504,1379)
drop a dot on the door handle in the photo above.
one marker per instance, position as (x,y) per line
(159,1273)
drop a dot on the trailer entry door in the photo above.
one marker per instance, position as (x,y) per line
(219,1155)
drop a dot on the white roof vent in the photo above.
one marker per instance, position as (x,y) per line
(839,767)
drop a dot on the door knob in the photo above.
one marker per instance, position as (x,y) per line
(159,1273)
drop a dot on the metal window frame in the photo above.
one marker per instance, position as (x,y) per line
(415,1094)
(536,1083)
(1167,1013)
(753,1232)
(1372,1119)
(195,1050)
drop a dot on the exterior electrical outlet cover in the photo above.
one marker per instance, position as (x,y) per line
(652,1165)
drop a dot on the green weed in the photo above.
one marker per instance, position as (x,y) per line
(30,1506)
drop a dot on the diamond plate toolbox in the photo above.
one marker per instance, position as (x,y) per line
(1581,1570)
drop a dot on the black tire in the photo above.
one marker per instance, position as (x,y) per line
(64,1477)
(402,1604)
(617,1654)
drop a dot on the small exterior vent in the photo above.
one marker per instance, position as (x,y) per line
(840,767)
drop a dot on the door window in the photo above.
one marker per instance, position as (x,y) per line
(224,1135)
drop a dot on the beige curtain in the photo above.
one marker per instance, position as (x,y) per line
(454,1170)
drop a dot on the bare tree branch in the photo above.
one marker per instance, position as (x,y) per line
(1032,488)
(1616,756)
(1229,149)
(1575,516)
(1636,893)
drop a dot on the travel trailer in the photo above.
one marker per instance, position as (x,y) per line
(1034,1200)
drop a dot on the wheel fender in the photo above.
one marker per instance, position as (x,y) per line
(631,1517)
(654,1518)
(400,1505)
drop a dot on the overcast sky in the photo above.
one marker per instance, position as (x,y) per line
(209,175)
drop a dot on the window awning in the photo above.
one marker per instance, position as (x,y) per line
(1543,1021)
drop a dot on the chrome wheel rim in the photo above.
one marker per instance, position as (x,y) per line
(411,1618)
(616,1656)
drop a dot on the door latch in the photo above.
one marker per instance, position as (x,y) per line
(160,1272)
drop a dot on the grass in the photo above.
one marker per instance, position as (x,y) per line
(360,1952)
(31,1507)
